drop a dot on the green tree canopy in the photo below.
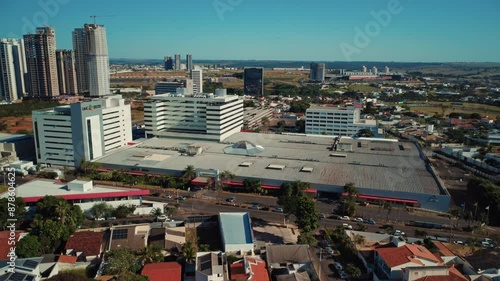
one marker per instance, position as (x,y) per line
(189,172)
(189,251)
(65,276)
(295,201)
(306,238)
(7,208)
(120,262)
(28,247)
(101,210)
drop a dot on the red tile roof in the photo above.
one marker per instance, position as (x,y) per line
(453,275)
(4,246)
(258,269)
(396,256)
(443,250)
(88,242)
(238,271)
(67,259)
(163,271)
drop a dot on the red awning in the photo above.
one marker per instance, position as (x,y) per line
(390,199)
(265,186)
(81,196)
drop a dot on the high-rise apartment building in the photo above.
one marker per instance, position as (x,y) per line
(374,70)
(197,77)
(317,72)
(40,50)
(189,62)
(254,81)
(97,60)
(64,135)
(80,53)
(169,63)
(12,69)
(66,74)
(202,116)
(177,62)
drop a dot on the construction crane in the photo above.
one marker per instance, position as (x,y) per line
(108,16)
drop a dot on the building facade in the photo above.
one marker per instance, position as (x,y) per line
(317,72)
(65,135)
(189,62)
(97,60)
(197,77)
(177,62)
(254,81)
(207,116)
(12,69)
(169,63)
(66,74)
(80,52)
(165,87)
(337,121)
(40,50)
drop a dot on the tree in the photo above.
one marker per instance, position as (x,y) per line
(189,252)
(353,270)
(306,238)
(307,214)
(151,254)
(388,207)
(299,106)
(349,202)
(51,234)
(430,245)
(101,210)
(123,211)
(300,126)
(365,133)
(121,261)
(281,124)
(420,233)
(64,276)
(253,186)
(156,212)
(18,208)
(204,247)
(28,247)
(290,192)
(360,227)
(225,176)
(189,172)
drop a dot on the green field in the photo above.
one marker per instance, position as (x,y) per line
(448,107)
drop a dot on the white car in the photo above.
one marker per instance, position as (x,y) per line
(458,242)
(329,250)
(358,220)
(348,226)
(161,218)
(345,218)
(343,275)
(398,233)
(100,219)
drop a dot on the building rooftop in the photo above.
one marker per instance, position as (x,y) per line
(279,254)
(296,276)
(236,228)
(134,237)
(37,189)
(88,242)
(163,271)
(4,137)
(396,256)
(484,259)
(372,164)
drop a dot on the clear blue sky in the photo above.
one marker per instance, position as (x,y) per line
(418,31)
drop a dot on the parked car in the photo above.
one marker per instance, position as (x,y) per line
(337,266)
(278,210)
(181,198)
(358,220)
(458,242)
(100,219)
(348,226)
(161,218)
(230,200)
(370,221)
(168,196)
(329,250)
(342,275)
(398,233)
(255,207)
(345,218)
(322,215)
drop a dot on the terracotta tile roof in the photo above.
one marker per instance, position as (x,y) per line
(453,275)
(396,256)
(88,242)
(258,269)
(5,247)
(443,250)
(238,271)
(67,259)
(163,271)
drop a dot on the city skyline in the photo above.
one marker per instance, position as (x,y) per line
(403,30)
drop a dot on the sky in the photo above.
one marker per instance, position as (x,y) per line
(300,30)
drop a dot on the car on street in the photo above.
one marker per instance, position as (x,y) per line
(358,220)
(100,219)
(342,275)
(370,221)
(348,226)
(278,210)
(322,215)
(255,207)
(458,242)
(337,266)
(345,218)
(329,251)
(168,196)
(230,200)
(181,198)
(398,233)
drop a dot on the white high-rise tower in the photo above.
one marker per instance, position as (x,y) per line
(12,69)
(97,60)
(197,77)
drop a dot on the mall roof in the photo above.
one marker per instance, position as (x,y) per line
(37,189)
(374,164)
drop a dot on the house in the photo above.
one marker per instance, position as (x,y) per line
(433,273)
(163,271)
(25,269)
(85,245)
(211,266)
(134,237)
(486,263)
(249,269)
(236,231)
(391,259)
(296,276)
(288,260)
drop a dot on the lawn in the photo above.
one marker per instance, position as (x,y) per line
(361,88)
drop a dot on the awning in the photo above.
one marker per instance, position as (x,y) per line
(389,199)
(265,186)
(202,181)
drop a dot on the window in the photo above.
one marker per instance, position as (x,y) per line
(120,234)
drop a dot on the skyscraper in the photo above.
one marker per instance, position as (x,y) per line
(80,52)
(197,77)
(317,72)
(189,62)
(374,70)
(97,60)
(40,50)
(254,81)
(12,69)
(169,63)
(177,62)
(66,75)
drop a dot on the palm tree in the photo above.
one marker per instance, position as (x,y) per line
(359,239)
(62,208)
(189,252)
(156,212)
(388,207)
(189,172)
(224,176)
(151,254)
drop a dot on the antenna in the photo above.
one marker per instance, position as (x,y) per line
(107,16)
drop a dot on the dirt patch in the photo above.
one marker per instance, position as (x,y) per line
(15,125)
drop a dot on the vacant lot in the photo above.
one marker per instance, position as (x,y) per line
(448,108)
